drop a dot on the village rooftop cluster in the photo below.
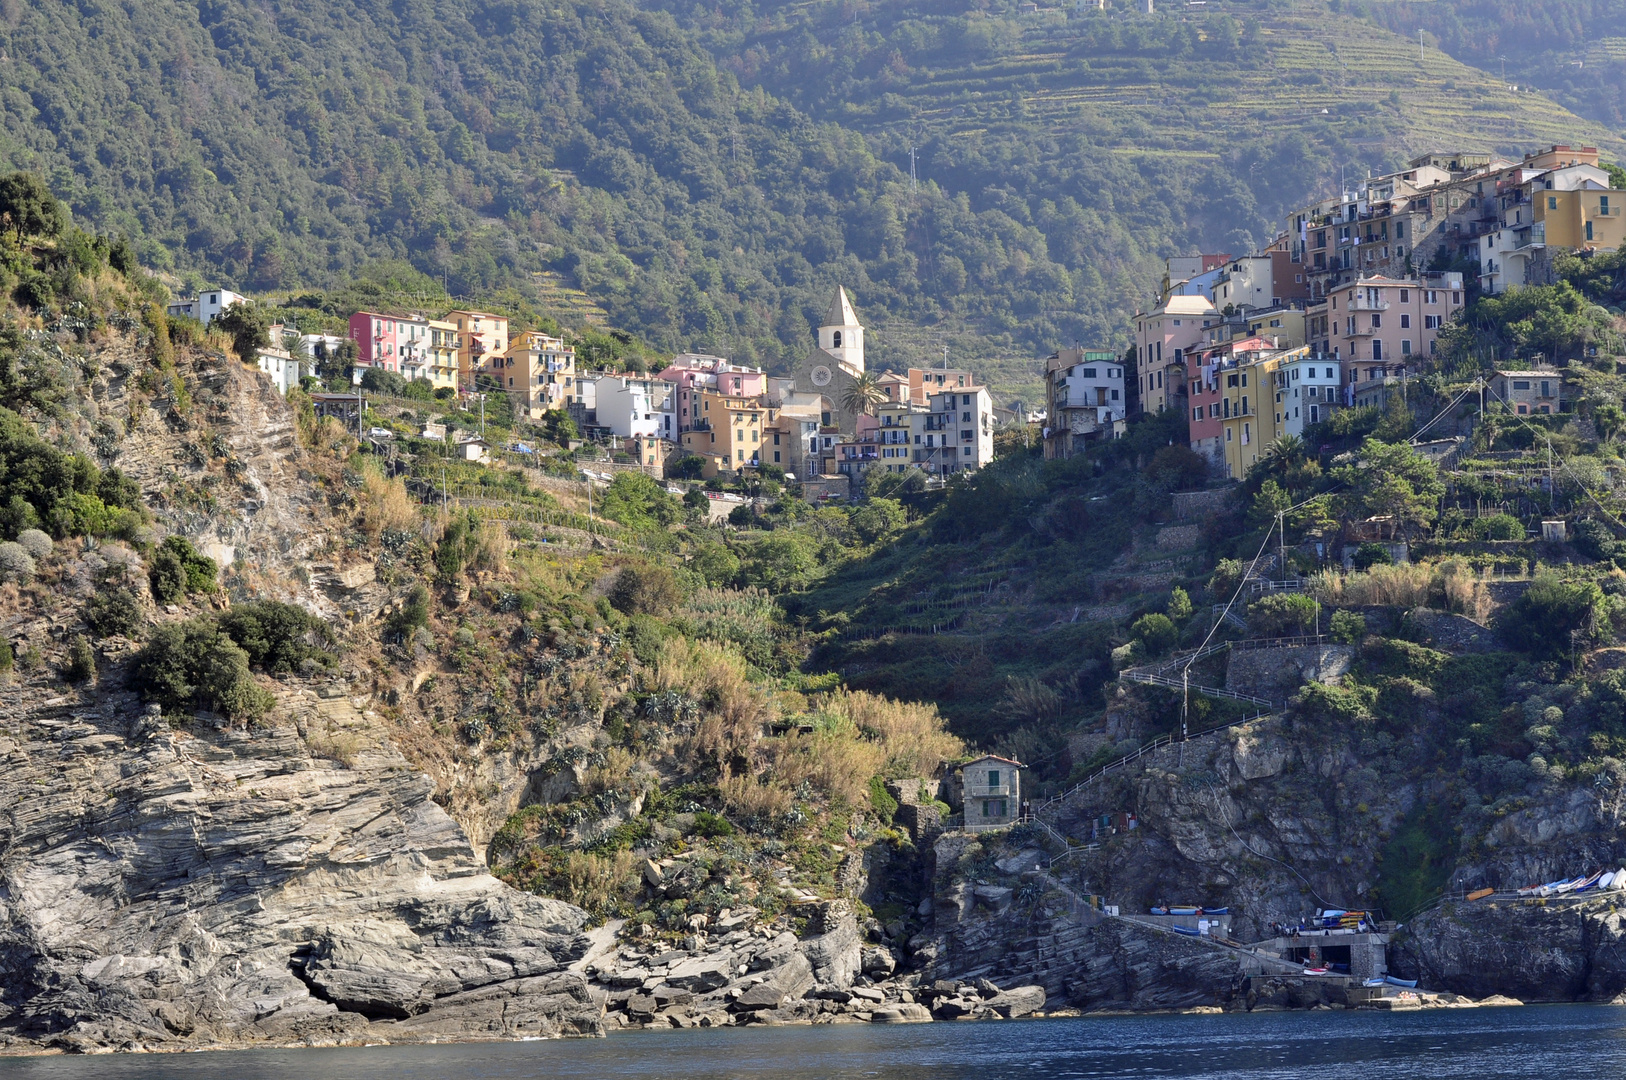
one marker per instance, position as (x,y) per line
(825,424)
(1335,313)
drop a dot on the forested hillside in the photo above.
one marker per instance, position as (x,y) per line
(706,175)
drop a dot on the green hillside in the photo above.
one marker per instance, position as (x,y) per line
(704,177)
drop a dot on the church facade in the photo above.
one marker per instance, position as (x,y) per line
(834,363)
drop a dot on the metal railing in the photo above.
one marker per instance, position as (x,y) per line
(1157,744)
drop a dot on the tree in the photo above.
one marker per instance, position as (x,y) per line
(1393,481)
(249,327)
(877,519)
(638,502)
(1156,633)
(862,395)
(28,207)
(645,590)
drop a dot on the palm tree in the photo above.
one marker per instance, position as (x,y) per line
(862,395)
(1285,450)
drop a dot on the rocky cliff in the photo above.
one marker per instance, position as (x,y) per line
(209,885)
(183,881)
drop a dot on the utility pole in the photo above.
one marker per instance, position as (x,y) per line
(914,176)
(1420,49)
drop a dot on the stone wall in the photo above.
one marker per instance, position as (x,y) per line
(1197,505)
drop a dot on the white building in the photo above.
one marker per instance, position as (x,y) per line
(281,365)
(1307,391)
(1084,399)
(321,346)
(959,435)
(632,407)
(207,306)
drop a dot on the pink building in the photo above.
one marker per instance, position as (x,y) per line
(378,339)
(693,373)
(1381,328)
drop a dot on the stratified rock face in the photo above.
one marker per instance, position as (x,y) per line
(1531,950)
(224,886)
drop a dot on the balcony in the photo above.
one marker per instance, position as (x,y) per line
(989,791)
(1363,331)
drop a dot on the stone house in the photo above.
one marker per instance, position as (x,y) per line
(991,792)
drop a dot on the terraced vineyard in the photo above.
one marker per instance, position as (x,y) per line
(1299,66)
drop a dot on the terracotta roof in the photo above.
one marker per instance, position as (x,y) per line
(994,757)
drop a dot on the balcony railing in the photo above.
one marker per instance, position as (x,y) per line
(999,791)
(1363,304)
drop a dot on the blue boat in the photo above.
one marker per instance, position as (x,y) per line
(1392,981)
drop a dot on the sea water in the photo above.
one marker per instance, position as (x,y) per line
(1473,1044)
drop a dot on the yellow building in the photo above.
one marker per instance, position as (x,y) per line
(730,427)
(481,336)
(1248,410)
(1579,219)
(539,370)
(1285,326)
(442,352)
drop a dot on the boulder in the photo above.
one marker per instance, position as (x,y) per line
(906,1013)
(995,897)
(761,996)
(878,960)
(1018,1001)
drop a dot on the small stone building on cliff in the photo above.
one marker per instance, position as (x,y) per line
(991,792)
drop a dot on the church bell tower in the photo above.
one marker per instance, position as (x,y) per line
(841,336)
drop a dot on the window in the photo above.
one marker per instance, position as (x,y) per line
(1431,322)
(965,450)
(1546,388)
(1405,297)
(835,343)
(1589,230)
(1521,384)
(1089,373)
(1197,413)
(1603,204)
(1430,296)
(1552,202)
(1405,320)
(1377,321)
(1405,346)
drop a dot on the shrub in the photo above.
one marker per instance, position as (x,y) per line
(167,577)
(1156,633)
(1553,617)
(114,611)
(881,800)
(411,616)
(179,568)
(1498,527)
(81,666)
(709,824)
(1369,555)
(16,564)
(1283,615)
(645,590)
(193,664)
(35,542)
(277,637)
(741,517)
(1348,627)
(8,659)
